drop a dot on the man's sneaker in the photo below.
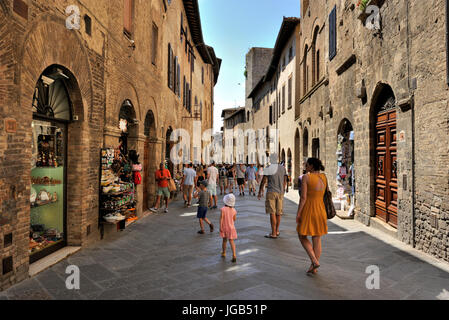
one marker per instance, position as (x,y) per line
(166,210)
(214,207)
(153,209)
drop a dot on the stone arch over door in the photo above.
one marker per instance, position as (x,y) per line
(383,155)
(39,51)
(305,144)
(297,158)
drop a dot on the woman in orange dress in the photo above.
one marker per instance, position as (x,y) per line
(312,217)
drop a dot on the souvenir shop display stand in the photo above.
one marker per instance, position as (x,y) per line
(345,174)
(117,192)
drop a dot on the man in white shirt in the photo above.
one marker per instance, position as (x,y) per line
(188,181)
(212,179)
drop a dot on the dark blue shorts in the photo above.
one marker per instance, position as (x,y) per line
(201,213)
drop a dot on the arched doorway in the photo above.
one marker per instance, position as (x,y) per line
(51,125)
(316,148)
(150,165)
(168,146)
(345,165)
(128,126)
(298,162)
(305,144)
(385,167)
(289,162)
(283,156)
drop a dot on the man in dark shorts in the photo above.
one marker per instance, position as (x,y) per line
(241,169)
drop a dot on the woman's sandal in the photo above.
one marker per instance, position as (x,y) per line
(234,260)
(269,236)
(223,255)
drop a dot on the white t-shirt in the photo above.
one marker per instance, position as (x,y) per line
(189,176)
(212,173)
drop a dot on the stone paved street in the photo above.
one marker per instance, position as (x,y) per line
(163,257)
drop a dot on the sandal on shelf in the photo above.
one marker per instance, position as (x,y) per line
(269,236)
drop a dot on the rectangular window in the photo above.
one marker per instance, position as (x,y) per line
(290,89)
(202,75)
(175,75)
(333,33)
(128,17)
(154,44)
(283,98)
(178,79)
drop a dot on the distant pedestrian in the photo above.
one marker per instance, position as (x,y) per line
(276,179)
(203,196)
(227,227)
(212,178)
(223,172)
(251,176)
(231,178)
(311,217)
(188,182)
(240,171)
(162,176)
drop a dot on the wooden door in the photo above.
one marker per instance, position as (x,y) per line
(386,167)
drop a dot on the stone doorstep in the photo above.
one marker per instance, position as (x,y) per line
(51,260)
(382,226)
(344,215)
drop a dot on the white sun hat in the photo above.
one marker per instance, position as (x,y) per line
(229,200)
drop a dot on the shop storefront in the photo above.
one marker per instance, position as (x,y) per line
(52,112)
(120,174)
(345,169)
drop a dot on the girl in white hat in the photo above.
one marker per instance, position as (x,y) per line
(227,228)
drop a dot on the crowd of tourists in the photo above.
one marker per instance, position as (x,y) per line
(203,183)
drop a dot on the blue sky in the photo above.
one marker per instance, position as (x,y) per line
(232,27)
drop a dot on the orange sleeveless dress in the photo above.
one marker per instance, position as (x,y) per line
(314,217)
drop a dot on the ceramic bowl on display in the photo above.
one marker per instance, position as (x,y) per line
(109,218)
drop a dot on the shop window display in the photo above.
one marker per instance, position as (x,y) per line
(47,186)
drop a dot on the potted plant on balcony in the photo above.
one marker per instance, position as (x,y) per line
(362,4)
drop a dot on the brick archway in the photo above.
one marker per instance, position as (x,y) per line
(40,50)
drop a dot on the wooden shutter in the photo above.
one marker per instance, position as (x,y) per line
(290,93)
(333,33)
(128,13)
(184,88)
(154,47)
(178,79)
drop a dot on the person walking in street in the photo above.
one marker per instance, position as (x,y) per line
(203,196)
(276,180)
(223,179)
(251,176)
(231,178)
(227,227)
(212,178)
(162,177)
(260,177)
(241,169)
(188,182)
(311,217)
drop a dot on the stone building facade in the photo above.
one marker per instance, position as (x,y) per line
(372,104)
(118,63)
(382,95)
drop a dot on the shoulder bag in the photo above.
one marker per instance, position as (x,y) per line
(328,203)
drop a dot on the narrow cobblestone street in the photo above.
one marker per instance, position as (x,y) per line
(163,257)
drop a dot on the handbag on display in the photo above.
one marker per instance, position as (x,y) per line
(137,178)
(171,185)
(328,203)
